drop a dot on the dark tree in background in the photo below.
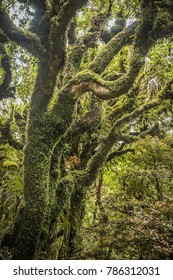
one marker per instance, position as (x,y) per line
(93,91)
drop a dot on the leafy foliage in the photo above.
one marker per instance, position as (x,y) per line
(139,216)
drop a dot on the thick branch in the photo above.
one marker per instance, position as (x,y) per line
(165,31)
(107,53)
(142,42)
(57,38)
(88,176)
(136,113)
(119,153)
(61,21)
(6,135)
(89,81)
(81,45)
(100,157)
(5,90)
(153,131)
(28,40)
(68,11)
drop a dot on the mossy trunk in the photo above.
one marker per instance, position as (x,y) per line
(50,226)
(77,214)
(37,155)
(34,219)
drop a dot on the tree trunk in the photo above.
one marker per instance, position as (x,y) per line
(30,220)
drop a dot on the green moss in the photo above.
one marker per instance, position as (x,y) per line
(87,75)
(161,22)
(111,49)
(37,156)
(74,57)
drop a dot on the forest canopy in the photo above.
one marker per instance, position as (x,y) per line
(86,129)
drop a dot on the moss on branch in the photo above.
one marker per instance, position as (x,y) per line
(6,135)
(112,155)
(90,81)
(95,163)
(59,23)
(5,90)
(105,56)
(26,39)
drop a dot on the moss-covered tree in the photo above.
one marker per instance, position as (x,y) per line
(79,61)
